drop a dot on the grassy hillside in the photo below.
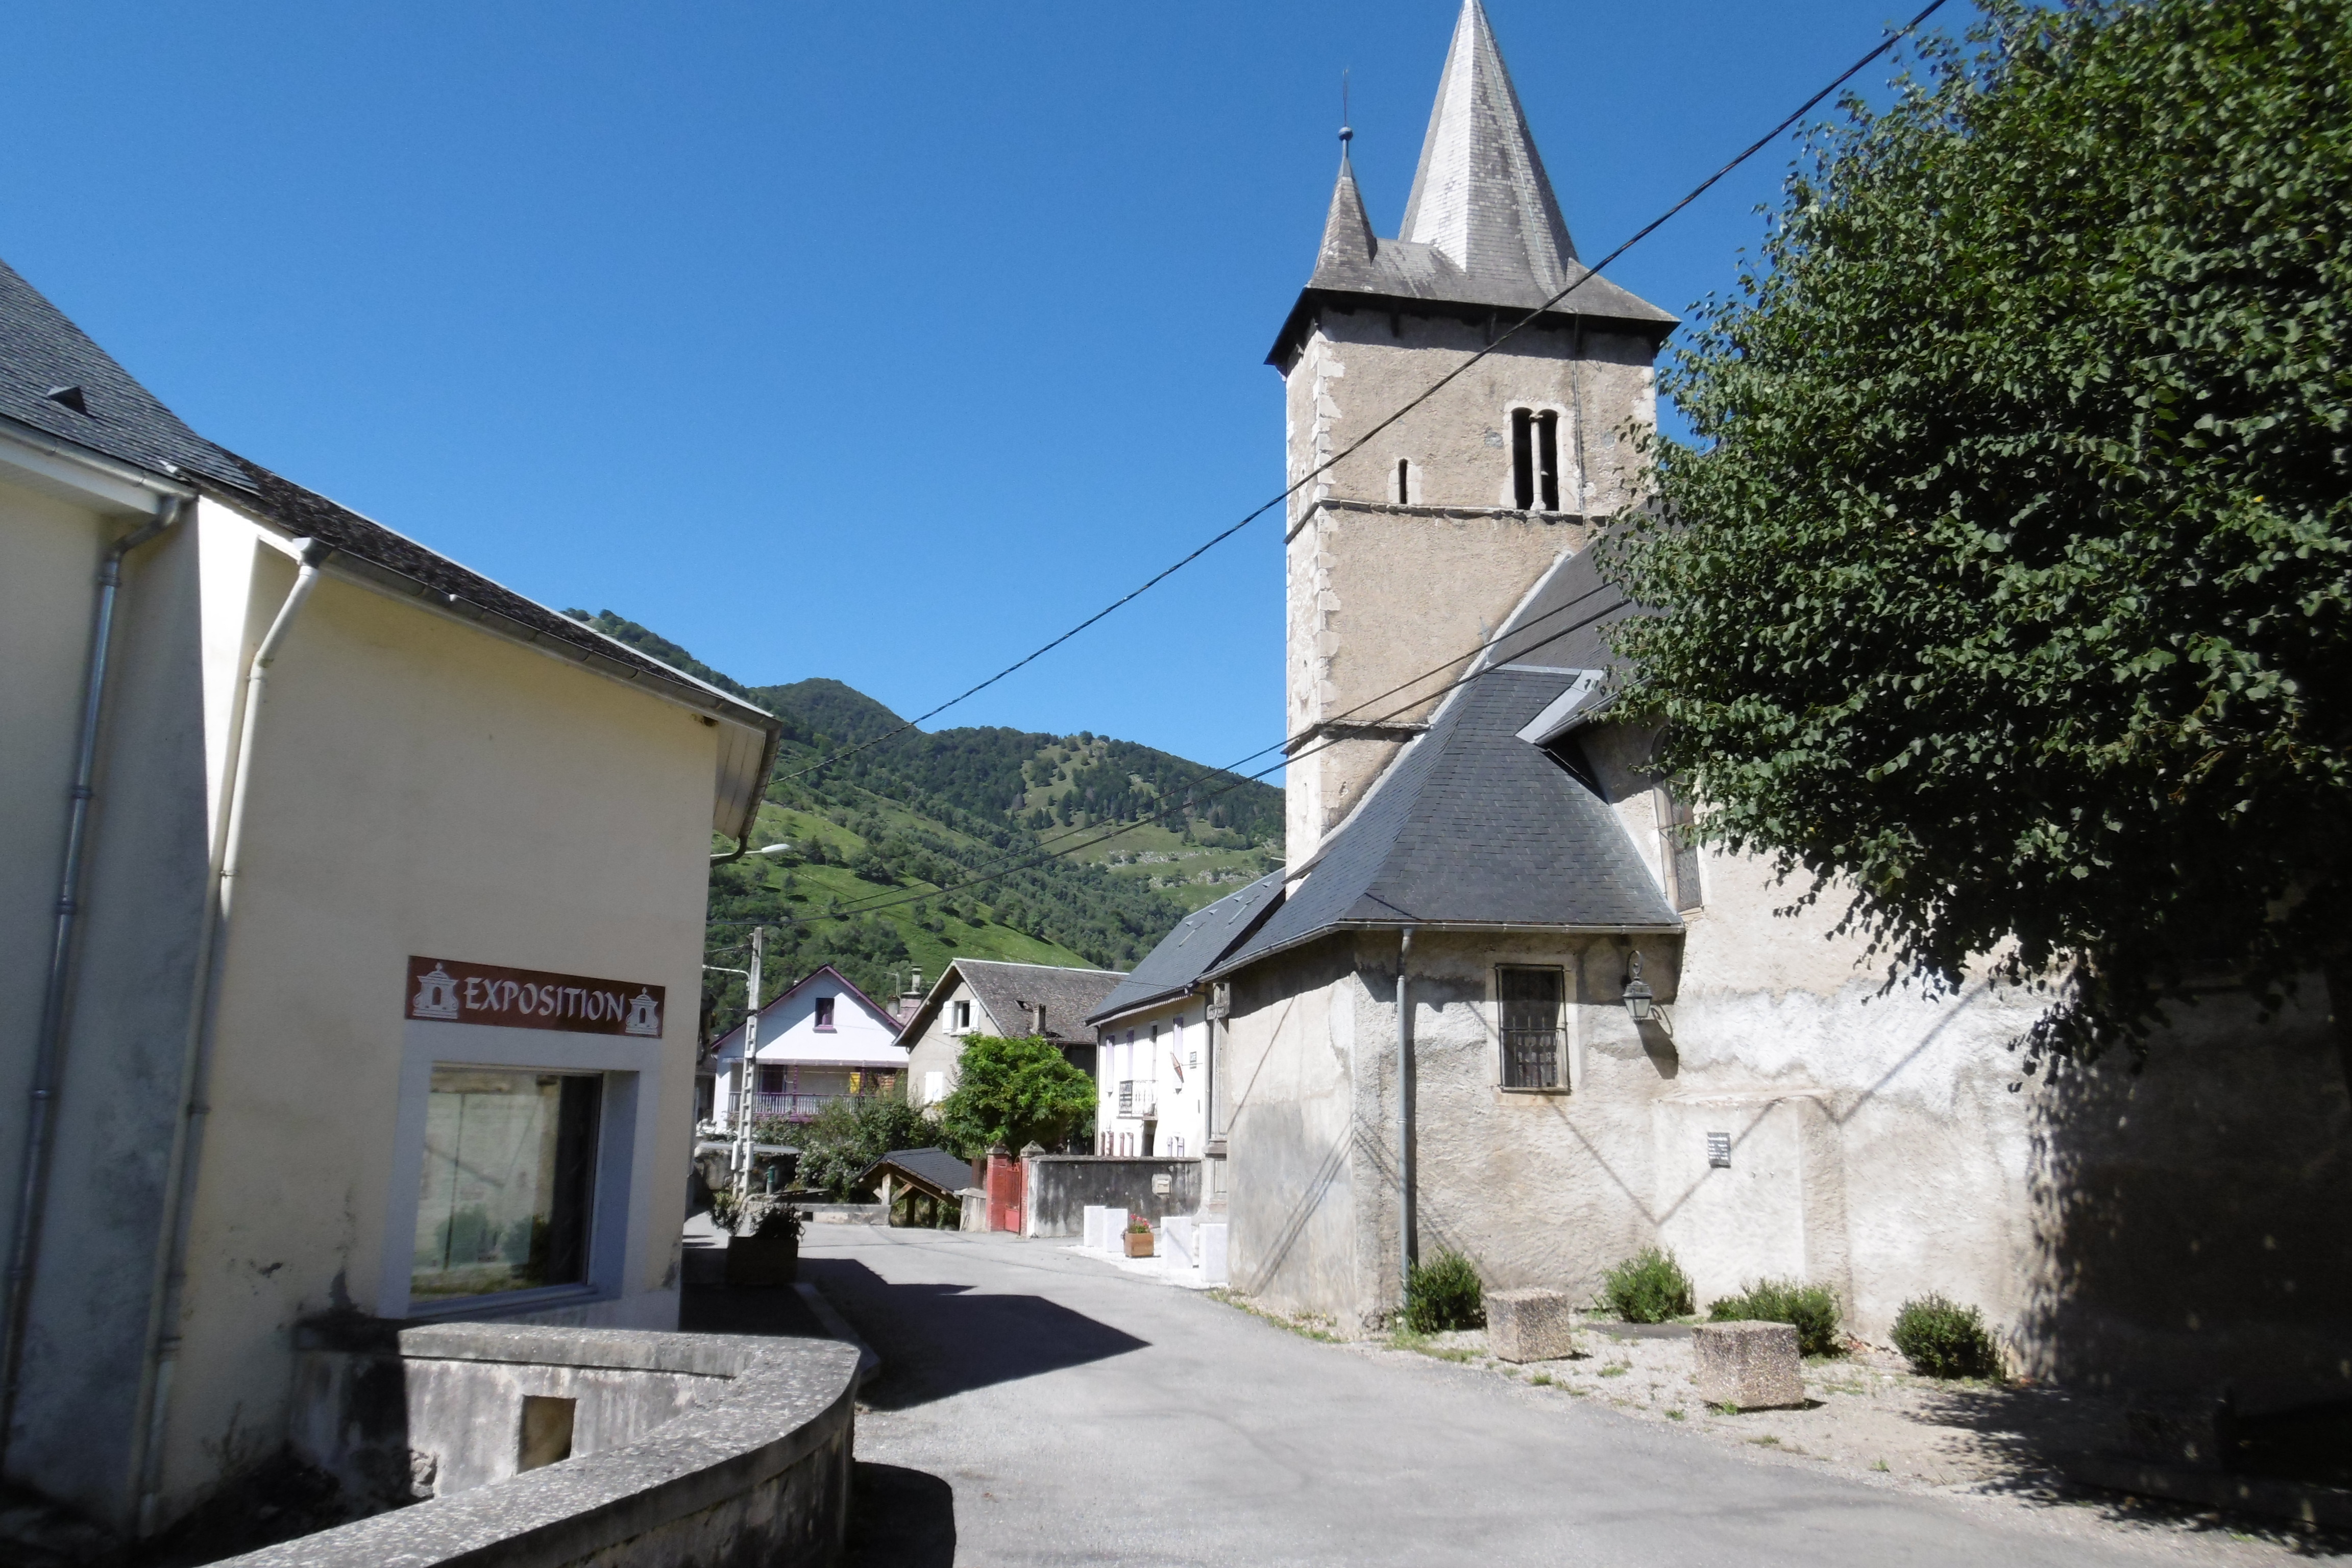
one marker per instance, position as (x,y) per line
(882,840)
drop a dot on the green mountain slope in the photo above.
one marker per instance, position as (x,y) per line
(884,841)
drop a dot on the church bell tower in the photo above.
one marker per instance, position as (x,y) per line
(1403,557)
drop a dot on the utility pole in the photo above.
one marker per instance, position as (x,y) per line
(748,1079)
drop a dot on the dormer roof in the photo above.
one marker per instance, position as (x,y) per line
(1483,231)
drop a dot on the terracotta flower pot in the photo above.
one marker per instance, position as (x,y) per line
(763,1259)
(1141,1244)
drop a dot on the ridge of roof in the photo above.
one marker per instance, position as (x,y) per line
(44,356)
(991,980)
(1173,967)
(736,1034)
(1473,826)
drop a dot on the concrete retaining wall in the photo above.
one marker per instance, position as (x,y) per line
(699,1449)
(1060,1186)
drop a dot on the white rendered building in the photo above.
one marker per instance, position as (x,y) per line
(820,1040)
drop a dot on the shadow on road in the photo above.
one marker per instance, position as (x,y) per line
(937,1340)
(900,1519)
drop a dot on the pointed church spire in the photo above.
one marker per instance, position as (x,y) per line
(1348,243)
(1480,197)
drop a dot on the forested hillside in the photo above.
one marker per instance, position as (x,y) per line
(882,840)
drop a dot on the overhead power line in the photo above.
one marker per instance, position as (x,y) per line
(1114,830)
(1416,401)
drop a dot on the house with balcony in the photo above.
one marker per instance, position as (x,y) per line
(822,1040)
(1156,1054)
(992,996)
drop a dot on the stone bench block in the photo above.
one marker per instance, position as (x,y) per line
(1530,1325)
(1212,1254)
(1752,1366)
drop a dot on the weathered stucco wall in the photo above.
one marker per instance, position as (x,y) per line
(2165,1228)
(419,786)
(1390,590)
(142,889)
(1358,368)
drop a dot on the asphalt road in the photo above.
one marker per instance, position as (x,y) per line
(1038,1407)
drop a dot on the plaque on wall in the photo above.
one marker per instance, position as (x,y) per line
(1718,1150)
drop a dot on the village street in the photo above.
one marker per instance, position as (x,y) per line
(1036,1406)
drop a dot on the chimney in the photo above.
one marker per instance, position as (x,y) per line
(910,998)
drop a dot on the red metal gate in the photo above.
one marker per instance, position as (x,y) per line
(1004,1194)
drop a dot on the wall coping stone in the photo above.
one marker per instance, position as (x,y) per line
(787,1398)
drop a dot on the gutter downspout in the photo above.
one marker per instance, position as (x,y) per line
(49,1051)
(167,1291)
(1405,1114)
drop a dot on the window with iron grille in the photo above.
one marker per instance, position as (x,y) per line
(1532,1001)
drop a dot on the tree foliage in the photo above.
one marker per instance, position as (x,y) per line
(2006,582)
(1014,1092)
(851,1132)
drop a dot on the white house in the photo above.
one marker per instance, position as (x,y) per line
(1154,1068)
(368,898)
(821,1040)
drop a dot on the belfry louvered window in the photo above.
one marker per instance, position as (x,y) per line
(1534,459)
(1530,1001)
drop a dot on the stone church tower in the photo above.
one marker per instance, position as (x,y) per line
(1407,555)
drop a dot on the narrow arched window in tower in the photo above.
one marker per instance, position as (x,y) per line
(1535,458)
(1547,459)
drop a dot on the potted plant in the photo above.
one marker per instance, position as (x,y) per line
(766,1248)
(1140,1242)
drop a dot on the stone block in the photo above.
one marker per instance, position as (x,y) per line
(1754,1366)
(1177,1233)
(1090,1228)
(1530,1325)
(1212,1254)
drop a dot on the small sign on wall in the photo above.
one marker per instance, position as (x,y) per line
(1718,1150)
(453,991)
(1160,1186)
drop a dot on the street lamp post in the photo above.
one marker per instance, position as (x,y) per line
(747,1076)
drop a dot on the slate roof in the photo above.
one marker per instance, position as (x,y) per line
(1186,952)
(1008,993)
(934,1168)
(1482,230)
(41,350)
(1473,825)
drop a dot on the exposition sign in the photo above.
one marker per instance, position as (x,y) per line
(453,991)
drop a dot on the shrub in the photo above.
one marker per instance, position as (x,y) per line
(778,1222)
(1648,1287)
(726,1209)
(1014,1092)
(1443,1293)
(1813,1309)
(853,1132)
(1943,1338)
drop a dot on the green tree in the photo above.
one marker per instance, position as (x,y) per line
(1014,1091)
(2005,586)
(850,1133)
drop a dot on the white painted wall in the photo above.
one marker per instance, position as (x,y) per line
(818,1062)
(1165,1047)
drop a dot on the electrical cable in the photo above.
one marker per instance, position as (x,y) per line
(1115,829)
(1424,395)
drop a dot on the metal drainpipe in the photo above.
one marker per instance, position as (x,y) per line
(1404,1114)
(166,1293)
(49,1050)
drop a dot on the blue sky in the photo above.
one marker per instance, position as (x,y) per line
(878,341)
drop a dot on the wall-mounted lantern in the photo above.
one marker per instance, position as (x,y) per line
(1640,1000)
